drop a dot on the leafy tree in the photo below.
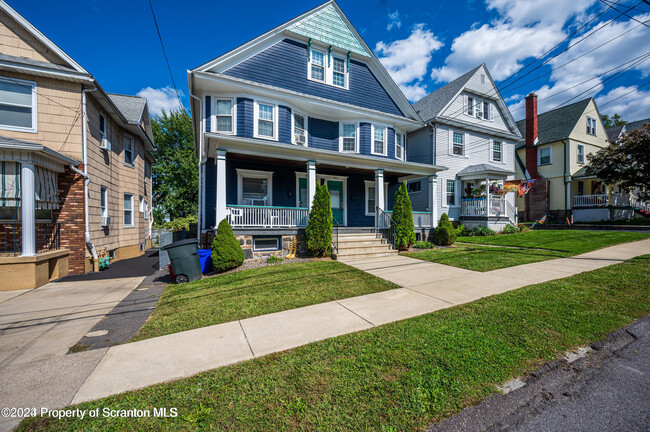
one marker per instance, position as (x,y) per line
(444,234)
(175,175)
(615,120)
(318,233)
(625,162)
(226,251)
(401,222)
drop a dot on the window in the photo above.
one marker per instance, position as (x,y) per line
(338,72)
(496,151)
(486,110)
(451,193)
(581,154)
(581,187)
(128,150)
(103,134)
(265,124)
(482,79)
(299,129)
(370,199)
(544,156)
(266,243)
(147,169)
(317,69)
(146,210)
(349,137)
(128,210)
(103,197)
(141,205)
(470,106)
(399,146)
(379,140)
(18,105)
(414,187)
(255,187)
(224,113)
(459,143)
(479,109)
(591,126)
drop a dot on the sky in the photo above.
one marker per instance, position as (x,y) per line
(423,44)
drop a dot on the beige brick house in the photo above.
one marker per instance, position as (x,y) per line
(82,156)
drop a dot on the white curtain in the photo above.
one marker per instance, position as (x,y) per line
(9,184)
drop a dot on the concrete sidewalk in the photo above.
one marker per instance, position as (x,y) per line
(425,287)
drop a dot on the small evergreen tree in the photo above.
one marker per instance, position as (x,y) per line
(444,234)
(318,233)
(401,222)
(226,251)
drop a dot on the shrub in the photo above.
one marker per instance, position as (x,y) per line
(523,228)
(444,234)
(226,251)
(318,233)
(401,222)
(510,229)
(482,231)
(274,259)
(180,224)
(462,231)
(424,245)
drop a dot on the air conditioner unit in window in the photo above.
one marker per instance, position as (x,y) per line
(300,139)
(106,221)
(103,144)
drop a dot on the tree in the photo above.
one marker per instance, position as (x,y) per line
(444,234)
(615,120)
(226,251)
(318,233)
(625,162)
(401,222)
(175,172)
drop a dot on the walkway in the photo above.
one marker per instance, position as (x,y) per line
(426,287)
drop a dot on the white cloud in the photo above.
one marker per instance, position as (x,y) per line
(633,105)
(159,99)
(407,59)
(393,21)
(550,13)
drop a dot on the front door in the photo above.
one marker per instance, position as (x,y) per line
(303,199)
(335,188)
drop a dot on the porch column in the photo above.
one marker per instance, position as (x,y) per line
(28,209)
(488,208)
(311,182)
(379,193)
(221,186)
(433,202)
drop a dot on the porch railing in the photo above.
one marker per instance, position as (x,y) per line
(421,219)
(620,199)
(590,200)
(496,206)
(267,216)
(640,204)
(48,237)
(473,207)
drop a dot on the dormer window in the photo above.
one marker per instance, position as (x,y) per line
(338,72)
(328,68)
(477,108)
(317,69)
(470,106)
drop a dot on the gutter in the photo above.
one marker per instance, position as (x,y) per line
(84,140)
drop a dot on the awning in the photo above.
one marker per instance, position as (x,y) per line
(9,184)
(46,189)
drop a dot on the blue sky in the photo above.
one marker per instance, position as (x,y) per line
(423,44)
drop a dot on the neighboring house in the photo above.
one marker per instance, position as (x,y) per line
(554,153)
(306,102)
(471,131)
(614,132)
(57,127)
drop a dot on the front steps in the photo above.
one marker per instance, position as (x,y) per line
(362,245)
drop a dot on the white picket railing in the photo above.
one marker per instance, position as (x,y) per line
(473,207)
(268,217)
(421,219)
(590,200)
(497,206)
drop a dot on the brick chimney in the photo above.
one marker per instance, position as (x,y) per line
(531,134)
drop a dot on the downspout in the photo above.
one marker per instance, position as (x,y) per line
(202,161)
(84,149)
(566,196)
(432,136)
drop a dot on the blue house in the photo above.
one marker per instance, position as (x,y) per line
(305,103)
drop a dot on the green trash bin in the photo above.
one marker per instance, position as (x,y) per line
(184,257)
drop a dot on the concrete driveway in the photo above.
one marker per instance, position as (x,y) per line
(45,322)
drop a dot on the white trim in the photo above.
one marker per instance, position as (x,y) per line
(443,190)
(356,136)
(324,66)
(403,146)
(268,175)
(141,202)
(125,138)
(550,154)
(464,135)
(372,139)
(295,112)
(326,177)
(593,122)
(132,224)
(501,150)
(256,114)
(372,183)
(213,114)
(578,154)
(34,105)
(277,243)
(103,194)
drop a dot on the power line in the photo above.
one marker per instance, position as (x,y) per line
(623,95)
(624,13)
(153,14)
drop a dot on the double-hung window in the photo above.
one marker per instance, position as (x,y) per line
(266,120)
(458,143)
(18,105)
(451,193)
(486,110)
(255,187)
(591,126)
(496,151)
(317,67)
(299,129)
(103,201)
(224,114)
(379,140)
(470,106)
(128,150)
(141,204)
(338,72)
(399,146)
(544,156)
(349,137)
(581,154)
(128,210)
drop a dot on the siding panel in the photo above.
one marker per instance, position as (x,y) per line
(323,134)
(284,125)
(245,117)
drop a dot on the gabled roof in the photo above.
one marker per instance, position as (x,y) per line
(483,169)
(615,131)
(432,105)
(557,124)
(131,106)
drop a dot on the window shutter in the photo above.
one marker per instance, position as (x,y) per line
(450,147)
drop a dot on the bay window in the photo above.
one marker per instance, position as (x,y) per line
(265,120)
(378,140)
(349,138)
(399,146)
(299,129)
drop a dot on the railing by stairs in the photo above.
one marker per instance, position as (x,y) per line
(383,226)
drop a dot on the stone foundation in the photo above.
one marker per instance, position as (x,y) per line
(246,242)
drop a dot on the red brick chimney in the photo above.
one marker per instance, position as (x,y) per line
(531,134)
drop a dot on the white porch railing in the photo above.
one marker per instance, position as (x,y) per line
(620,199)
(473,207)
(421,219)
(267,217)
(497,206)
(590,200)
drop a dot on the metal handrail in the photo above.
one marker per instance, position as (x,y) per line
(384,226)
(335,224)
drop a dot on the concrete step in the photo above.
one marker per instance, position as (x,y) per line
(390,252)
(349,243)
(363,249)
(358,238)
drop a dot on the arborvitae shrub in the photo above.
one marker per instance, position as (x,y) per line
(318,233)
(444,234)
(402,219)
(226,251)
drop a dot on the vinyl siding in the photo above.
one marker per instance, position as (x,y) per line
(245,117)
(323,134)
(419,146)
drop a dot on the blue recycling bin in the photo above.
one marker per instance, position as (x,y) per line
(205,258)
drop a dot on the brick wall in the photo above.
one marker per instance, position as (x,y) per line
(71,217)
(537,199)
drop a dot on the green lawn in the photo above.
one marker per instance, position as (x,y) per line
(397,377)
(255,292)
